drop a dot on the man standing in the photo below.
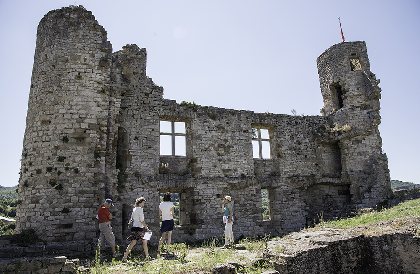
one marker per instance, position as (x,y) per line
(104,218)
(228,220)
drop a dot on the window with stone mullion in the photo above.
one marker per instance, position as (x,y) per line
(261,140)
(173,134)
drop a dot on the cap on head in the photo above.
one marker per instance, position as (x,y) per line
(109,202)
(227,197)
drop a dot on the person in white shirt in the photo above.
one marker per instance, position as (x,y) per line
(138,229)
(166,212)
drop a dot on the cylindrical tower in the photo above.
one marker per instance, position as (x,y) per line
(341,68)
(351,99)
(63,160)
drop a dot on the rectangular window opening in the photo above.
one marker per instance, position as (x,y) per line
(265,205)
(172,138)
(338,95)
(165,145)
(265,150)
(355,64)
(165,126)
(255,149)
(261,148)
(180,145)
(179,127)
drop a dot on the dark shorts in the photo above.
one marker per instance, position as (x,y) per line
(167,225)
(137,233)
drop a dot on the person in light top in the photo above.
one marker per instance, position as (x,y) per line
(227,209)
(166,212)
(138,229)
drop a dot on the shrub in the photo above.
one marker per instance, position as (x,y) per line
(7,229)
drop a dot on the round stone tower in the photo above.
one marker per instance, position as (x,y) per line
(343,68)
(63,160)
(351,100)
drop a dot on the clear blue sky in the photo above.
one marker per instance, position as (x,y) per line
(254,55)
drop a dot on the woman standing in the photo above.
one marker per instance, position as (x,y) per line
(166,212)
(228,220)
(138,229)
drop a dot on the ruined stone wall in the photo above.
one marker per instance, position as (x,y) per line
(219,161)
(139,118)
(137,129)
(93,131)
(63,162)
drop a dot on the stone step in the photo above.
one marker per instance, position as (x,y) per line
(48,265)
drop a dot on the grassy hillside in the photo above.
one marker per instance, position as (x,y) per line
(409,208)
(8,192)
(8,203)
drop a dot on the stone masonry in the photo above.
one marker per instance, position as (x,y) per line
(93,131)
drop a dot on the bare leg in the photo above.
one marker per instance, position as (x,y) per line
(128,250)
(145,248)
(162,239)
(165,238)
(169,236)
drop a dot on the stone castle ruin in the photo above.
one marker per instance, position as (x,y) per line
(98,127)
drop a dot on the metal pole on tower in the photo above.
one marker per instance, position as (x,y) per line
(341,30)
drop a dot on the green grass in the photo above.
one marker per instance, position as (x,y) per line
(187,260)
(254,245)
(407,209)
(202,261)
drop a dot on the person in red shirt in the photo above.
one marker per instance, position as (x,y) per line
(104,218)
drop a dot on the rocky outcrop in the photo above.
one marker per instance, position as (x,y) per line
(392,247)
